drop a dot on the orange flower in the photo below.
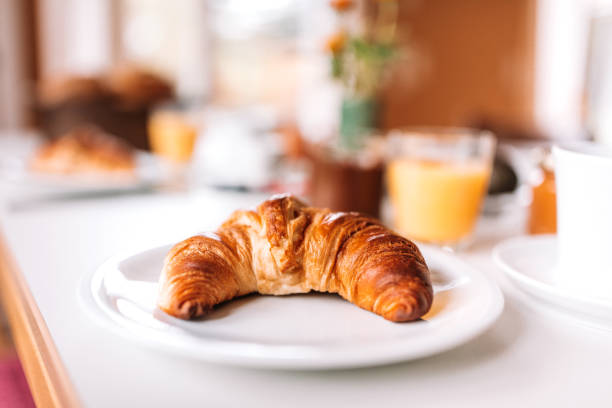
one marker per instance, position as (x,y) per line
(335,42)
(341,5)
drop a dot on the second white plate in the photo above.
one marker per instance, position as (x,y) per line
(16,152)
(310,331)
(530,262)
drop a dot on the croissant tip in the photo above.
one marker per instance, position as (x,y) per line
(187,311)
(401,314)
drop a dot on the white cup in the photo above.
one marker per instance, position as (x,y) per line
(583,176)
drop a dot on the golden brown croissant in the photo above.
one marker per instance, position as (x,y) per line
(286,247)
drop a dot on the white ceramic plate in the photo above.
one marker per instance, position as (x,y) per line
(15,153)
(310,331)
(530,262)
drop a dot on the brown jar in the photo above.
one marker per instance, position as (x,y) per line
(346,181)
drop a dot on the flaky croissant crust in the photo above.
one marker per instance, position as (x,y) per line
(286,247)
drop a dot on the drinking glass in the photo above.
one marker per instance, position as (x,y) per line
(172,134)
(437,179)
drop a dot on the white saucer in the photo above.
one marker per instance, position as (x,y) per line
(310,331)
(530,261)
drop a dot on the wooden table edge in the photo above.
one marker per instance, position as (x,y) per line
(44,370)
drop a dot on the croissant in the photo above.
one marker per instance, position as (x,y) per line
(285,247)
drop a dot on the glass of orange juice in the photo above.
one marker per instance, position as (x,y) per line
(437,179)
(172,134)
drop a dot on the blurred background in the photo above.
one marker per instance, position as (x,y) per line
(301,96)
(525,65)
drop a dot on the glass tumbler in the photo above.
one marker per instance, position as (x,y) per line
(437,179)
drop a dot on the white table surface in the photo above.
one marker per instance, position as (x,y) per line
(532,356)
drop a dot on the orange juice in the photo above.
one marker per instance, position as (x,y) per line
(171,136)
(543,210)
(437,201)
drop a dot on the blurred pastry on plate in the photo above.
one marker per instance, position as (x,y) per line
(118,101)
(62,89)
(85,151)
(133,86)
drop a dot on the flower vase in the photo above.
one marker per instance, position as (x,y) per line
(359,116)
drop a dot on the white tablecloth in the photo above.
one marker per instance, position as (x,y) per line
(532,356)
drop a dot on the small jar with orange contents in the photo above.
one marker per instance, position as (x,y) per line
(543,209)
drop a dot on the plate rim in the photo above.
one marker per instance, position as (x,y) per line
(95,307)
(526,280)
